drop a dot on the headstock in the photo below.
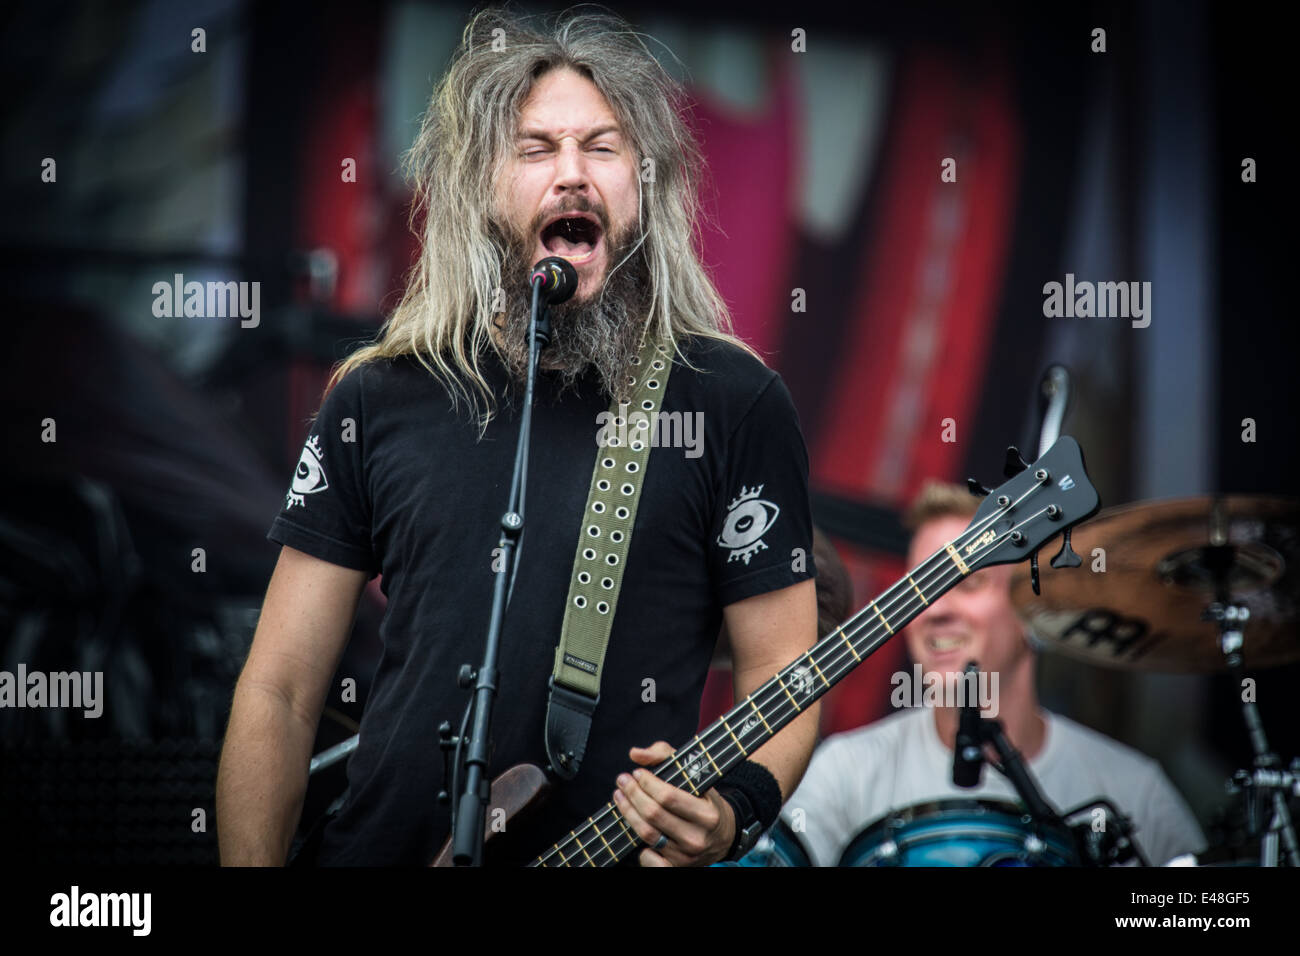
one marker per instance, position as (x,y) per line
(1036,503)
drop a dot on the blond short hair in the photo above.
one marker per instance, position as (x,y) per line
(939,499)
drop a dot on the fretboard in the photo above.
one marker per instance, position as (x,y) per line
(605,839)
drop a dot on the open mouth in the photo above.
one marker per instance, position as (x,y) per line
(572,236)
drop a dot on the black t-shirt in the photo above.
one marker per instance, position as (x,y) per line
(392,481)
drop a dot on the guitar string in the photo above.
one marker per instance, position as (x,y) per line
(611,809)
(775,709)
(723,747)
(616,819)
(779,694)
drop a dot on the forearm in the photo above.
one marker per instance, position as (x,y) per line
(767,633)
(262,778)
(787,754)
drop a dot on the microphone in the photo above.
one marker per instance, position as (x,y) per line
(968,755)
(559,280)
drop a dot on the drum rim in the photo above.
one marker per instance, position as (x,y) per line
(783,831)
(1056,839)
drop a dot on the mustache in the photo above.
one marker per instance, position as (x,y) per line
(578,203)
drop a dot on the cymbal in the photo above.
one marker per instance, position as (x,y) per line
(1165,562)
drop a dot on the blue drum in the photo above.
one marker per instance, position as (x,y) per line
(779,846)
(961,833)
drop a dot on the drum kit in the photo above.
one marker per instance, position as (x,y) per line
(1196,585)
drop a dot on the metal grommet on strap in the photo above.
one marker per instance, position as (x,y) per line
(584,637)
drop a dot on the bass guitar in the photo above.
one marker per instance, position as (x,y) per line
(1034,505)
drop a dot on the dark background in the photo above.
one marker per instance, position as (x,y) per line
(175,434)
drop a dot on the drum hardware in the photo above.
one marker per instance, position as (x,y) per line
(786,844)
(1183,581)
(1111,844)
(1268,786)
(780,846)
(962,833)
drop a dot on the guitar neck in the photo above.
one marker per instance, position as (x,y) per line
(605,839)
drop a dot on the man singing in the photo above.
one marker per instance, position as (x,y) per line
(562,139)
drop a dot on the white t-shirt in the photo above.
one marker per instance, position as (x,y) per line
(856,777)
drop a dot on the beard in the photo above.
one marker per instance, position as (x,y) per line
(602,332)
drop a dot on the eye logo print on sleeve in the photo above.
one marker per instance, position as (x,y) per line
(749,517)
(309,476)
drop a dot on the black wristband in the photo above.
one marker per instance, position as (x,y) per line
(744,814)
(759,788)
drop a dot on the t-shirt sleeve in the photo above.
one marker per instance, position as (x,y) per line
(327,507)
(762,524)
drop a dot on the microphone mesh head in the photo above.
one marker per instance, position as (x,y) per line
(559,279)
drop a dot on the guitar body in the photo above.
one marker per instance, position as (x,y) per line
(519,791)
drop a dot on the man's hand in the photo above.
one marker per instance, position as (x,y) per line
(700,830)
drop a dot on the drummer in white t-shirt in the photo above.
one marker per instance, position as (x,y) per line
(855,778)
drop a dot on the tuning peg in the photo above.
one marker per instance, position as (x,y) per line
(1066,558)
(1014,464)
(1033,572)
(978,490)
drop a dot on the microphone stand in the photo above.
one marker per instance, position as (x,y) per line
(968,758)
(473,751)
(974,731)
(1013,768)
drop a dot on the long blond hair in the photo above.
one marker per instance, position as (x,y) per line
(467,134)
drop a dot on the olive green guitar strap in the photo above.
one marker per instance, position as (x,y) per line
(604,537)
